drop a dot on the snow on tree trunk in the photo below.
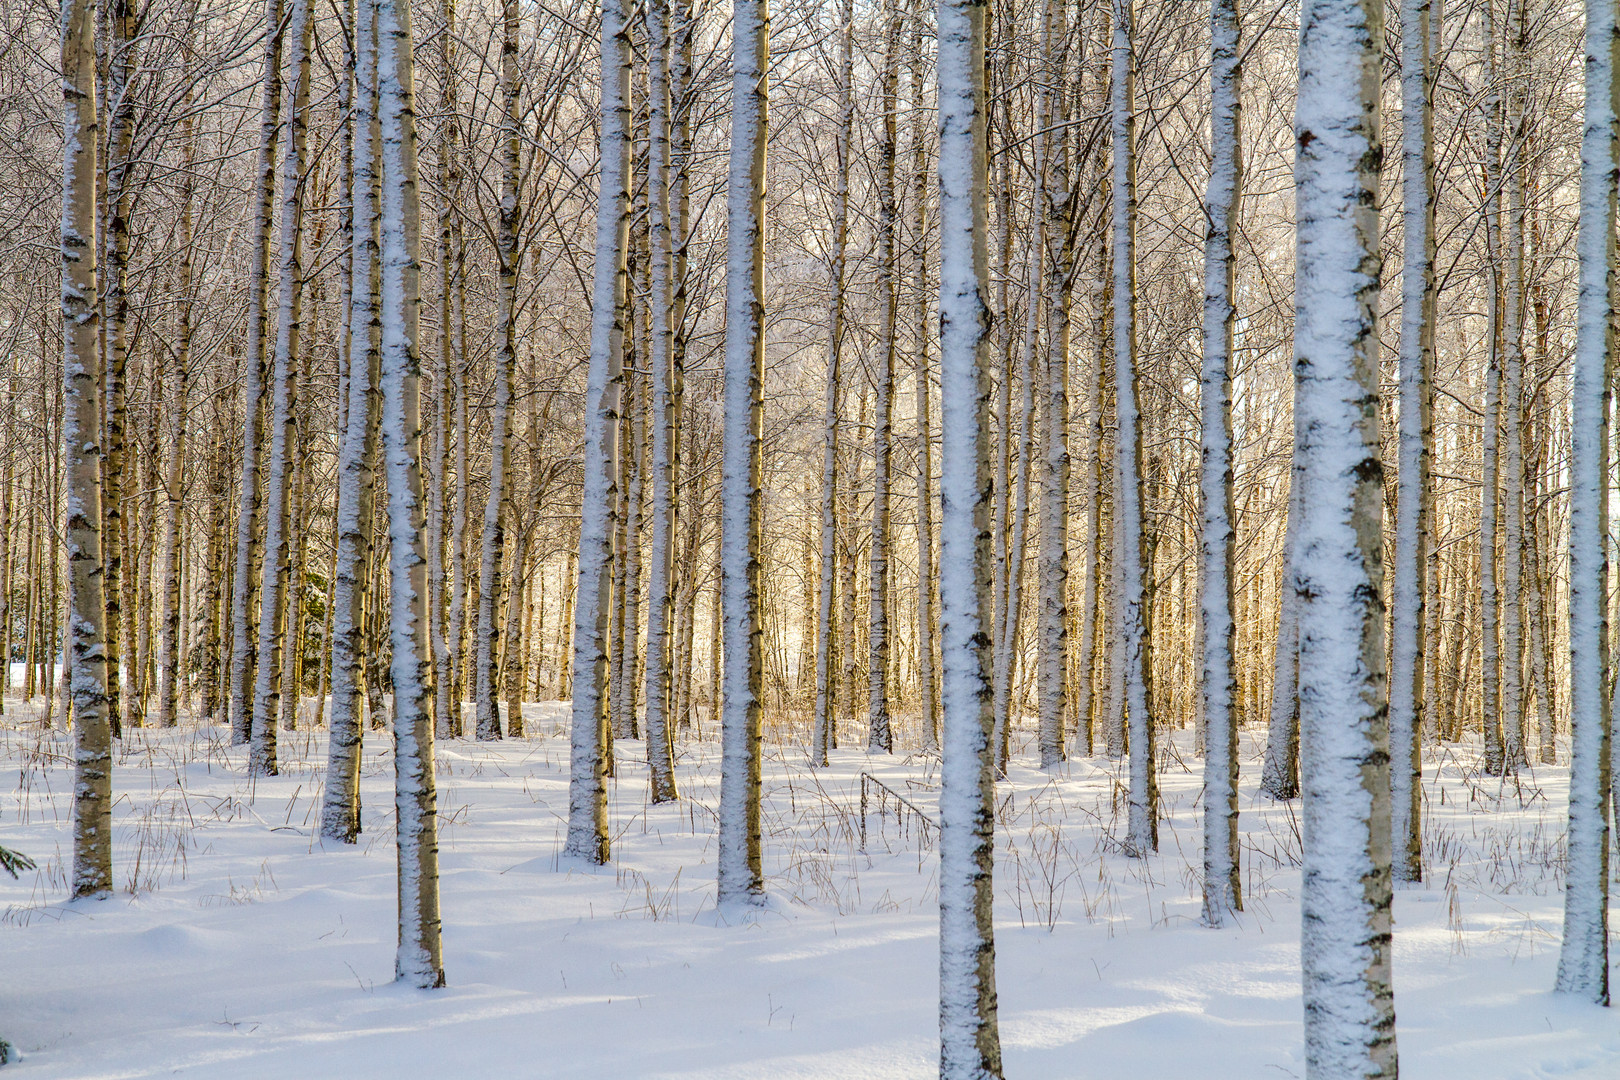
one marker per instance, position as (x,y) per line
(738,863)
(587,792)
(1218,630)
(492,574)
(879,735)
(1413,513)
(666,419)
(247,516)
(1338,568)
(970,1043)
(1583,965)
(340,808)
(276,570)
(417,961)
(81,459)
(1133,606)
(822,738)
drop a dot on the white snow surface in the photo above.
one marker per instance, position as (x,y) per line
(237,947)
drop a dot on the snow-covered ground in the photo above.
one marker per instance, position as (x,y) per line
(238,947)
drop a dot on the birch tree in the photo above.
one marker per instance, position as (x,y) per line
(491,572)
(417,962)
(81,438)
(1413,513)
(1583,963)
(1133,609)
(247,515)
(1222,874)
(1338,551)
(587,791)
(276,572)
(340,809)
(970,1042)
(665,424)
(927,676)
(741,878)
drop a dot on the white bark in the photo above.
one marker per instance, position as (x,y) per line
(1132,605)
(740,875)
(417,961)
(1583,965)
(1222,874)
(1338,568)
(879,735)
(81,441)
(587,792)
(970,1044)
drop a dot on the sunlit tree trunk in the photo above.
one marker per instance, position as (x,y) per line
(740,873)
(1133,607)
(1583,964)
(587,792)
(1338,553)
(927,609)
(970,1042)
(1222,873)
(81,440)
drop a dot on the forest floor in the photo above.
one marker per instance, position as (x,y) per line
(237,946)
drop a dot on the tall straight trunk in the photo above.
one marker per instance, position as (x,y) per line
(517,606)
(1057,213)
(587,792)
(740,875)
(1491,423)
(491,575)
(680,154)
(123,25)
(1513,545)
(215,569)
(451,359)
(81,440)
(1132,606)
(970,1042)
(1413,509)
(276,570)
(666,436)
(879,735)
(1007,651)
(1583,965)
(1279,774)
(418,962)
(247,516)
(169,666)
(1338,570)
(827,635)
(1093,596)
(340,810)
(927,608)
(1222,873)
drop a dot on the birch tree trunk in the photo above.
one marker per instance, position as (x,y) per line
(1132,605)
(665,424)
(340,810)
(1491,424)
(1057,212)
(1222,874)
(1279,775)
(740,876)
(491,574)
(587,792)
(1413,510)
(1339,573)
(822,738)
(81,440)
(276,571)
(1583,964)
(451,359)
(169,666)
(970,1042)
(879,735)
(247,516)
(418,962)
(1516,160)
(927,672)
